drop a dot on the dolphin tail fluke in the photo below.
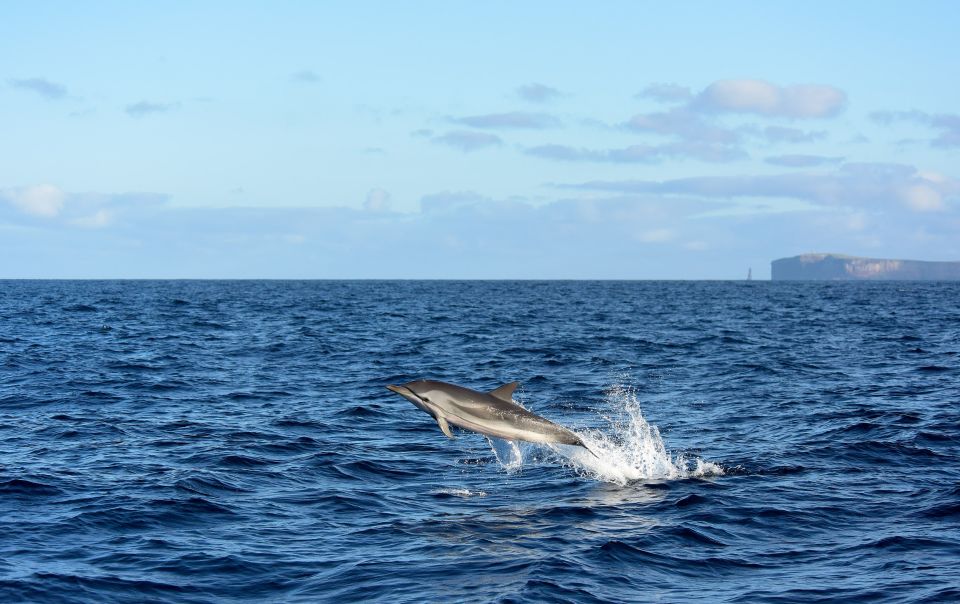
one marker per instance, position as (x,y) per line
(577,441)
(573,439)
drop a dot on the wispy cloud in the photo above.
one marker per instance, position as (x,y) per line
(802,161)
(538,93)
(511,120)
(41,86)
(708,152)
(468,140)
(666,93)
(306,76)
(947,123)
(146,108)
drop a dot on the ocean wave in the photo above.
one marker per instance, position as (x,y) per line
(232,441)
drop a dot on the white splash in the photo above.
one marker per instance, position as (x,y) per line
(464,493)
(629,449)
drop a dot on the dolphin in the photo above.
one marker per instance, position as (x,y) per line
(490,413)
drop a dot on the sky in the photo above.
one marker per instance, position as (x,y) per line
(490,140)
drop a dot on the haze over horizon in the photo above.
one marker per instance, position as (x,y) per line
(463,140)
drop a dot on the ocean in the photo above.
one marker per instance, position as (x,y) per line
(233,441)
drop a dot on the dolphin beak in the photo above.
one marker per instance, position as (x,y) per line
(406,393)
(402,391)
(411,396)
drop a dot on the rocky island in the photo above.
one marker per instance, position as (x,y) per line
(838,267)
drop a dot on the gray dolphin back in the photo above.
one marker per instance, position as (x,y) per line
(489,413)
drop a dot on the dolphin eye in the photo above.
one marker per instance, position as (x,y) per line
(425,399)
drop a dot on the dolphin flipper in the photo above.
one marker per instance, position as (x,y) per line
(444,426)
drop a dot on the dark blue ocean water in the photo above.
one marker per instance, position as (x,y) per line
(203,441)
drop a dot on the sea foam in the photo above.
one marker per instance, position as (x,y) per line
(628,448)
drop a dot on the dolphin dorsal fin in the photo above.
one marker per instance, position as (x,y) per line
(505,392)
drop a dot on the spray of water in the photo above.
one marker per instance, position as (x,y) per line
(508,453)
(628,449)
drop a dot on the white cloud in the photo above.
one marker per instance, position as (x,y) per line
(856,221)
(763,98)
(933,176)
(59,208)
(378,200)
(99,219)
(44,201)
(922,197)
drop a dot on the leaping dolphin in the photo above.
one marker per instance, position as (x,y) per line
(490,413)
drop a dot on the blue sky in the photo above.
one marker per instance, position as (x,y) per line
(473,140)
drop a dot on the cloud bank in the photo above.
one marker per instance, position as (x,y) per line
(680,228)
(869,185)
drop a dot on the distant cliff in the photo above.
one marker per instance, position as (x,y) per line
(837,267)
